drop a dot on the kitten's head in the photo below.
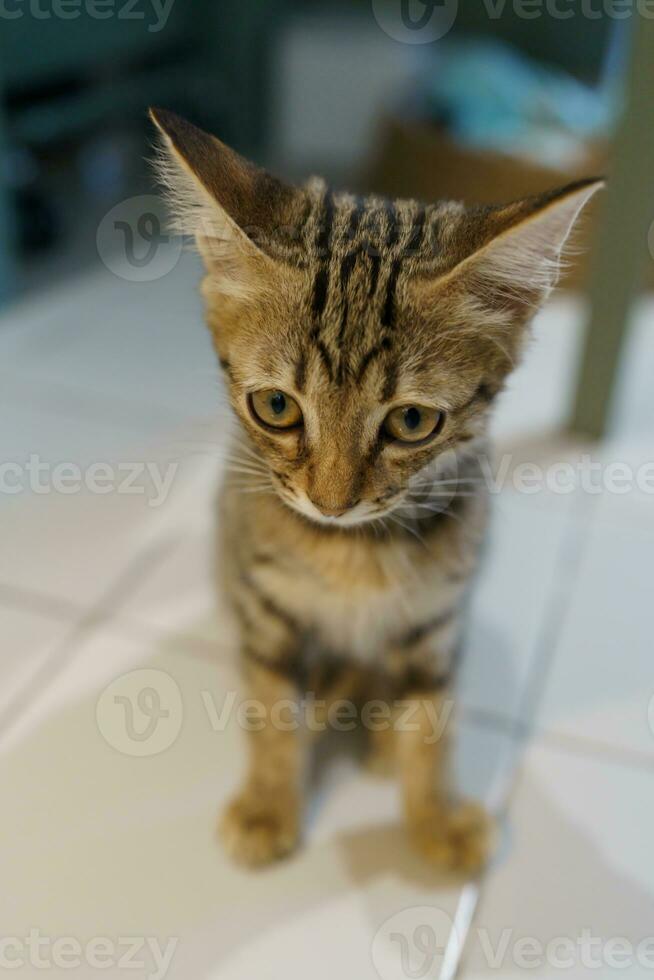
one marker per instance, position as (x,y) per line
(362,339)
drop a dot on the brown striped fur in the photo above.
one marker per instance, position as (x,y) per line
(345,555)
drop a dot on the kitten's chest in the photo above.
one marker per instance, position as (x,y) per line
(360,601)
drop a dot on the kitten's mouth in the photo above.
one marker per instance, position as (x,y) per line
(363,512)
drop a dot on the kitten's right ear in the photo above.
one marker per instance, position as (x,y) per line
(223,201)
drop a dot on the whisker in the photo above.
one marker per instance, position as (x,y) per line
(267,490)
(454,481)
(407,527)
(244,471)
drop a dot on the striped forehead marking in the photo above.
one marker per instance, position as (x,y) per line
(372,234)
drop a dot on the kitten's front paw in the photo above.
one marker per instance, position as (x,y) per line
(257,830)
(458,839)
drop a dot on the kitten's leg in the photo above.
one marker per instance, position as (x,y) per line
(381,759)
(454,835)
(377,721)
(262,823)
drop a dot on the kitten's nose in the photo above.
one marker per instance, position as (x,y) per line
(332,511)
(337,511)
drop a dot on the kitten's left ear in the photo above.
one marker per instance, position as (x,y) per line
(226,203)
(510,257)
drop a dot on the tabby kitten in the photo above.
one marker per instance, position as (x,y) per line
(363,343)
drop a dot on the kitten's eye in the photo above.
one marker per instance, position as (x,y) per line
(276,409)
(413,423)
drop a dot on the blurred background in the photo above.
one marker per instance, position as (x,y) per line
(480,102)
(105,362)
(470,100)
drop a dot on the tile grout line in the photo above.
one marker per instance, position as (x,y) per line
(589,748)
(557,611)
(518,732)
(521,731)
(147,558)
(16,597)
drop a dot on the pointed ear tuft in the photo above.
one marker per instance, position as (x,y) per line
(521,259)
(498,264)
(226,203)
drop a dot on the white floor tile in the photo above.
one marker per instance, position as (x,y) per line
(580,860)
(72,548)
(191,505)
(538,397)
(140,342)
(29,638)
(627,480)
(600,683)
(127,842)
(181,595)
(509,608)
(74,437)
(68,529)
